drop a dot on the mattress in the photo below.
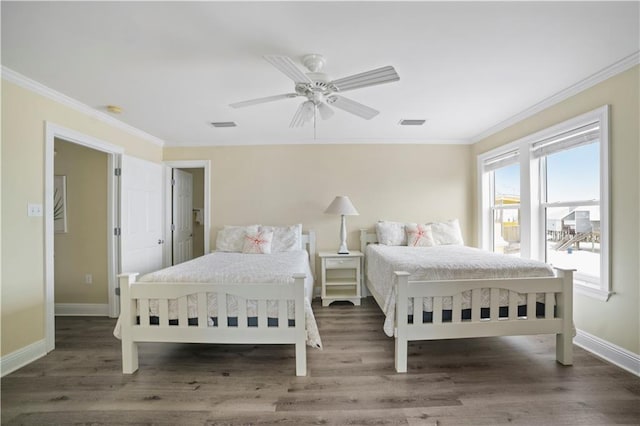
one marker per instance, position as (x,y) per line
(447,262)
(238,268)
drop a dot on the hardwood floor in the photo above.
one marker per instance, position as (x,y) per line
(491,381)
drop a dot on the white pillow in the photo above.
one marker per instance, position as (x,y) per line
(391,233)
(446,233)
(258,242)
(419,235)
(285,238)
(231,238)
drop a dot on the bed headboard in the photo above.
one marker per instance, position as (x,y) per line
(309,244)
(367,237)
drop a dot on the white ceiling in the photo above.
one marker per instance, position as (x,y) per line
(174,67)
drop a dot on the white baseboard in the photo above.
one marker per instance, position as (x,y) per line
(608,351)
(18,359)
(82,309)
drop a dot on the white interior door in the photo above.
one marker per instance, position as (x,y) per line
(141,216)
(182,216)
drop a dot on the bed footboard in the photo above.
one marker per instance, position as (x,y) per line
(557,318)
(136,324)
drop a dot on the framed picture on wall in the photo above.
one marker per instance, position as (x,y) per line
(60,203)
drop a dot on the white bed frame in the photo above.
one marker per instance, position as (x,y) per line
(133,293)
(560,287)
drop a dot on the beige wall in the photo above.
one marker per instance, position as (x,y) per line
(23,124)
(83,248)
(295,184)
(617,320)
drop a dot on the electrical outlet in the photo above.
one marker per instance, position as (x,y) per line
(34,210)
(88,278)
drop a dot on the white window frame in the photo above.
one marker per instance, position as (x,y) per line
(492,206)
(532,238)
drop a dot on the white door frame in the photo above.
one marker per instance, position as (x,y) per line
(114,155)
(188,164)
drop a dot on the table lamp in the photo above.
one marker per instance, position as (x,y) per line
(342,205)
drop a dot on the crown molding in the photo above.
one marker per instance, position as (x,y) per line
(602,75)
(32,85)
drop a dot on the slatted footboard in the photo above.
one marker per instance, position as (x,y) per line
(136,325)
(557,318)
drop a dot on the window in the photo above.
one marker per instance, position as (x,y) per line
(504,178)
(549,201)
(570,201)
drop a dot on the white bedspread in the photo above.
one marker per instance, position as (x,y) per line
(448,262)
(238,268)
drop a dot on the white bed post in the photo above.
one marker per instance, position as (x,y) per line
(564,340)
(311,248)
(363,240)
(402,286)
(127,320)
(301,329)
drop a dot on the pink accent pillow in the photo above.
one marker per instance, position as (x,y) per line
(419,235)
(231,238)
(258,242)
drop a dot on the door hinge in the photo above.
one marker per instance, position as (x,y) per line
(173,227)
(116,232)
(173,182)
(117,171)
(117,291)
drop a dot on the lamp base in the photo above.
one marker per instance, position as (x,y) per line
(343,249)
(343,237)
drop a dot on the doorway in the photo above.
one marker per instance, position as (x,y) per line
(113,153)
(188,221)
(80,221)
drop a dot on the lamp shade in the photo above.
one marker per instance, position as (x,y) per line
(342,205)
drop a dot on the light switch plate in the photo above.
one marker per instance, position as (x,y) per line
(34,210)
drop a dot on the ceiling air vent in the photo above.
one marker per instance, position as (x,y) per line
(223,124)
(412,122)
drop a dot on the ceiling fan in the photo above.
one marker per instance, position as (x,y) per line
(320,91)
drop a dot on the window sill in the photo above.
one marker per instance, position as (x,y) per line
(591,291)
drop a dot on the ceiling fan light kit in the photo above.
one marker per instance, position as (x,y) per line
(320,91)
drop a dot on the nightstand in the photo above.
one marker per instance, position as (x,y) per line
(341,277)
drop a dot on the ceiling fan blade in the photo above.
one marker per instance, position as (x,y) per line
(353,107)
(262,100)
(289,68)
(298,120)
(325,111)
(369,78)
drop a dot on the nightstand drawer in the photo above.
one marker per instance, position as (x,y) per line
(342,263)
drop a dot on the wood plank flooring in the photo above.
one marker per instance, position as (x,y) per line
(490,381)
